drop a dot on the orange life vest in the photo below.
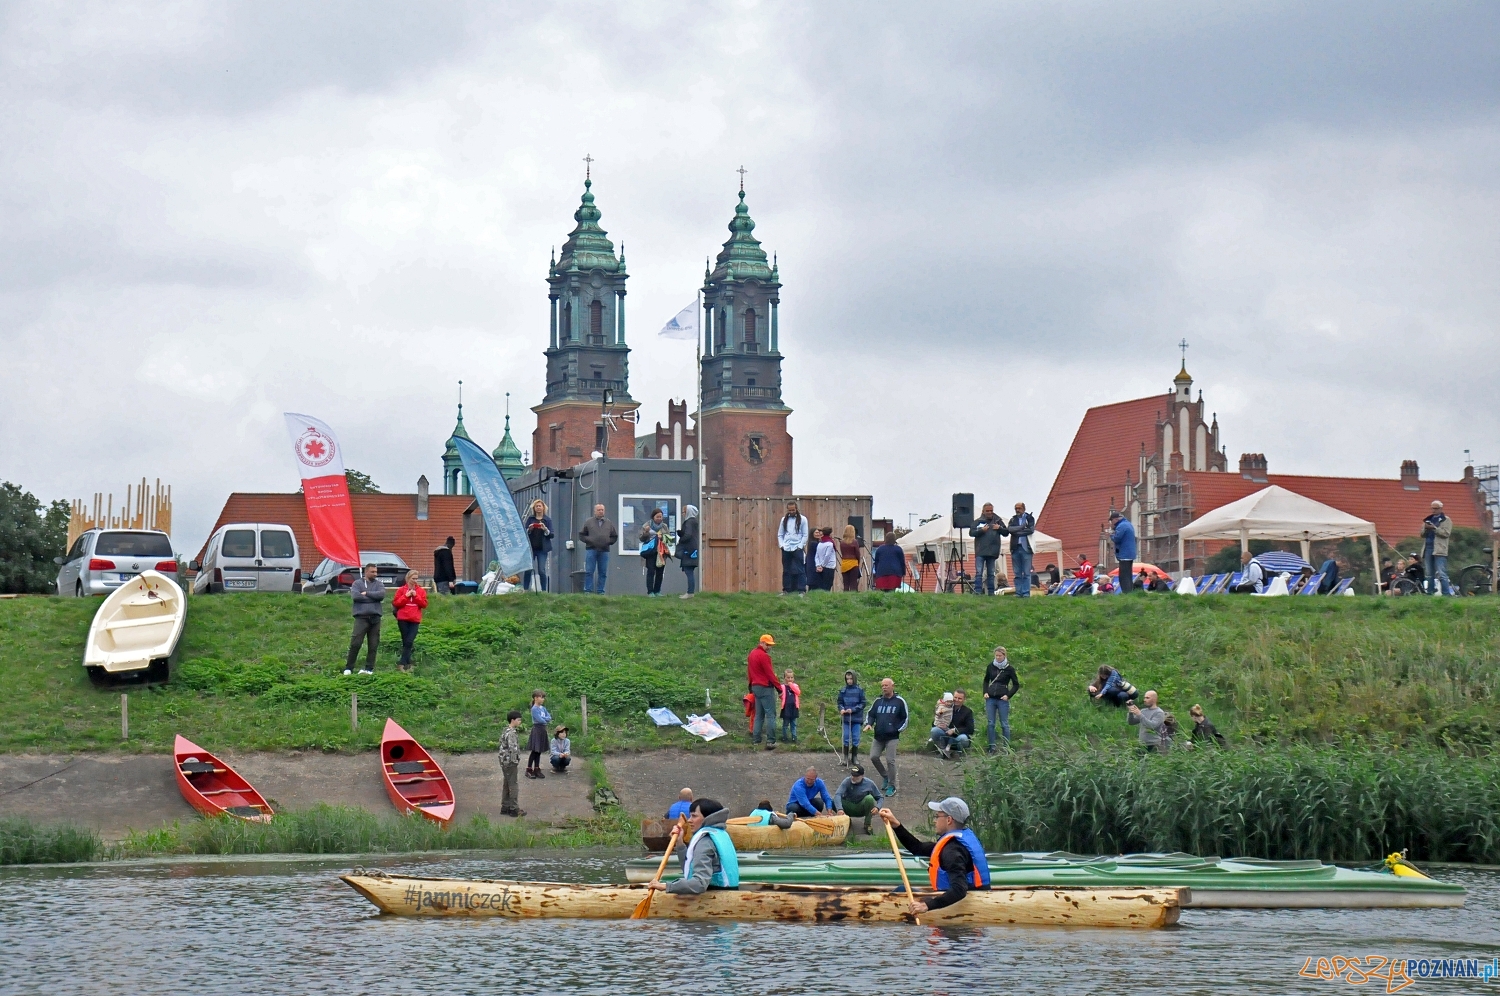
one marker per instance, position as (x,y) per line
(932,864)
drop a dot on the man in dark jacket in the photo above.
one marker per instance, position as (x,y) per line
(1122,535)
(1000,684)
(960,730)
(987,531)
(368,593)
(888,716)
(890,564)
(599,536)
(1022,525)
(443,574)
(851,705)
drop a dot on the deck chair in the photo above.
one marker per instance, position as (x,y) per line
(1311,588)
(1230,582)
(1209,583)
(1342,587)
(1293,583)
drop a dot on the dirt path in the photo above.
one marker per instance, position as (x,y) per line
(114,793)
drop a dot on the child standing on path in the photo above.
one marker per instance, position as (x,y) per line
(510,760)
(538,743)
(791,707)
(851,705)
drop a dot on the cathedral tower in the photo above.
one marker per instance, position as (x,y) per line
(587,355)
(746,448)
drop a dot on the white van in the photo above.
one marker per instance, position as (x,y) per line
(249,556)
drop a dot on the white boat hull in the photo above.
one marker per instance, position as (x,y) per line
(138,624)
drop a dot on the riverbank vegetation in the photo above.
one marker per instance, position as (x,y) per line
(1281,802)
(320,830)
(263,671)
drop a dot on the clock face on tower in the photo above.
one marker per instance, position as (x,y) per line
(754,447)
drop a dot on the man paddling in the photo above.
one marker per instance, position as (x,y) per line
(710,861)
(955,861)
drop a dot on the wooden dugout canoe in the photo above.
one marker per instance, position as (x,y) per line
(404,895)
(816,831)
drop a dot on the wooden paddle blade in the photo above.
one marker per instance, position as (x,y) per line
(643,908)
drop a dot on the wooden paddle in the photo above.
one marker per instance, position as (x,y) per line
(901,867)
(643,908)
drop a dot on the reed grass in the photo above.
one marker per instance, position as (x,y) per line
(1280,802)
(23,842)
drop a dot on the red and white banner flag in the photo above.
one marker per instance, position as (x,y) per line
(320,461)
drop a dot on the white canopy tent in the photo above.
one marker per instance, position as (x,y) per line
(1274,513)
(945,541)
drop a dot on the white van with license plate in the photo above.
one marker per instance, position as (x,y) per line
(250,556)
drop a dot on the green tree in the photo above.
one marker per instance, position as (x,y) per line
(360,484)
(30,536)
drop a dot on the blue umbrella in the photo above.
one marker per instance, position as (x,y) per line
(1274,562)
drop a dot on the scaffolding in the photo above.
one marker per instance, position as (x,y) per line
(143,508)
(1164,517)
(1488,480)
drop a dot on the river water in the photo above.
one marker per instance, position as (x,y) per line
(249,926)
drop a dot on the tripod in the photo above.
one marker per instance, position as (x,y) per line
(962,578)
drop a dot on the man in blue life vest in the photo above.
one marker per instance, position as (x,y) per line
(955,861)
(710,861)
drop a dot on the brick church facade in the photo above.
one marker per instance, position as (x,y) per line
(1159,459)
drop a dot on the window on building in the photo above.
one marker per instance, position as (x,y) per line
(599,438)
(555,432)
(567,321)
(719,329)
(596,321)
(666,452)
(750,382)
(751,344)
(689,454)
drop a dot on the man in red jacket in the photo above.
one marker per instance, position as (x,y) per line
(764,686)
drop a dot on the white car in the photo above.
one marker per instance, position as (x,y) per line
(101,560)
(249,556)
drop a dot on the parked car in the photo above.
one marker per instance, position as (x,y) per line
(331,577)
(249,556)
(101,560)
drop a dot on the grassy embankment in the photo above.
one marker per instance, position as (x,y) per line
(263,671)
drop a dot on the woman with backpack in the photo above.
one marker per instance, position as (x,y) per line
(1109,686)
(687,548)
(655,551)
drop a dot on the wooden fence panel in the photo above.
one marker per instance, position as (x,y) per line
(739,536)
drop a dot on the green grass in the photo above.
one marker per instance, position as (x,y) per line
(320,830)
(263,671)
(1282,802)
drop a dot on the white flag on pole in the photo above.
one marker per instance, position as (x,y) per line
(684,326)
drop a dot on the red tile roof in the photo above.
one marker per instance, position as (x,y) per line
(1396,512)
(382,522)
(1106,447)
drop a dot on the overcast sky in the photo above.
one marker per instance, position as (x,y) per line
(988,217)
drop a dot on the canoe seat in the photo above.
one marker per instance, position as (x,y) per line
(437,802)
(243,811)
(198,767)
(408,767)
(408,781)
(131,623)
(220,791)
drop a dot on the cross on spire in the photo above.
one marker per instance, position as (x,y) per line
(742,171)
(588,165)
(1183,345)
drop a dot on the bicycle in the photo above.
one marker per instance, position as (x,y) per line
(1476,579)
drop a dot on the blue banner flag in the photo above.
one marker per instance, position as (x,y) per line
(501,519)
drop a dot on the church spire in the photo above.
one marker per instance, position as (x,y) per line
(454,480)
(508,455)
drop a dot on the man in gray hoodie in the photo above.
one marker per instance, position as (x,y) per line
(1150,720)
(368,593)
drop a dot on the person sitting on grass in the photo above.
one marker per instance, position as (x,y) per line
(764,816)
(561,753)
(956,861)
(955,736)
(857,796)
(809,796)
(682,805)
(1203,731)
(1168,741)
(710,860)
(1109,686)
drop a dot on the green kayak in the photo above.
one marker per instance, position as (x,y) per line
(1216,883)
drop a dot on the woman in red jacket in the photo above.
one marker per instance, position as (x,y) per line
(410,600)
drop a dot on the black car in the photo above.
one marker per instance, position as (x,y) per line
(332,578)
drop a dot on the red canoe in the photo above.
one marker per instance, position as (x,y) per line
(213,788)
(413,779)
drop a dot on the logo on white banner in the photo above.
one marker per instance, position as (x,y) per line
(315,448)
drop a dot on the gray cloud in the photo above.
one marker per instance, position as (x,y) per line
(988,218)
